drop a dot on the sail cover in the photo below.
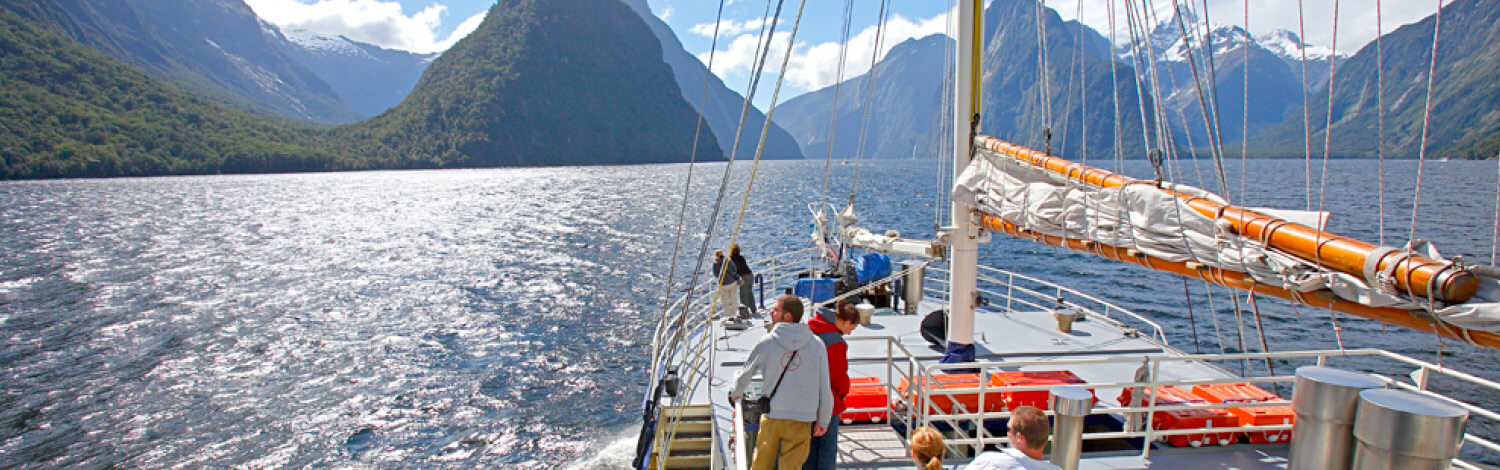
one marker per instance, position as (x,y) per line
(1142,217)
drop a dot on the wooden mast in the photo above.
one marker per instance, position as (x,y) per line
(1413,275)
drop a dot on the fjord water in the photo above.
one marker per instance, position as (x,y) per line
(496,317)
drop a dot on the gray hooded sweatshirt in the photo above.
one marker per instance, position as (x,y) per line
(805,394)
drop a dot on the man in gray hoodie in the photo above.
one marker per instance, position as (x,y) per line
(802,404)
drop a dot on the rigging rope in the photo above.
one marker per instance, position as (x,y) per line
(764,47)
(1380,105)
(1261,329)
(1208,109)
(869,90)
(1044,95)
(1426,120)
(1213,312)
(1495,234)
(838,83)
(1192,320)
(1416,199)
(1245,120)
(1306,120)
(1327,149)
(692,162)
(945,121)
(1239,320)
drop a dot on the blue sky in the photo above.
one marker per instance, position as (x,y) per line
(433,25)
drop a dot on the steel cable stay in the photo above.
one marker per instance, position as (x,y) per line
(763,49)
(1207,109)
(1306,120)
(1333,316)
(869,93)
(945,121)
(1044,97)
(1416,199)
(692,164)
(1380,107)
(1245,119)
(838,83)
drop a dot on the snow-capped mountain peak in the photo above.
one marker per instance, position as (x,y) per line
(312,41)
(1287,44)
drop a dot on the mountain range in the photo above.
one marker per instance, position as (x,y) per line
(908,94)
(347,66)
(216,48)
(146,87)
(1464,120)
(539,83)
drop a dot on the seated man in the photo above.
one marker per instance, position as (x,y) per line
(1028,437)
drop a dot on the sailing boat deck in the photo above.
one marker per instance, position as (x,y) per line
(1005,341)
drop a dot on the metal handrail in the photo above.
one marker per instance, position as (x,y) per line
(1157,333)
(923,414)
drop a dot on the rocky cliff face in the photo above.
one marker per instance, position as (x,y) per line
(721,107)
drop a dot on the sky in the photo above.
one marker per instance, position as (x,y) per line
(434,25)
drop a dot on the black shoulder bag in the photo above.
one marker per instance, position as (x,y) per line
(764,403)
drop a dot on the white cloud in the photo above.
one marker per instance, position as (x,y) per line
(728,28)
(378,22)
(814,66)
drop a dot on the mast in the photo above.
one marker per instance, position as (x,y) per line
(964,239)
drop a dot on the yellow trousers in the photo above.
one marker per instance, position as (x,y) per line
(782,443)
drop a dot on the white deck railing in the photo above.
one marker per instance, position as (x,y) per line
(969,425)
(681,337)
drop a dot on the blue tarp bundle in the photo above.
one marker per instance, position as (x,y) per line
(871,267)
(816,290)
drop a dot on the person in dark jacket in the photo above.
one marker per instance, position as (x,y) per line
(729,287)
(831,325)
(747,295)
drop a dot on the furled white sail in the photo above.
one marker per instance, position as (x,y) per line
(1142,217)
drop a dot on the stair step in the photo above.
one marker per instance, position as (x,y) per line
(691,462)
(688,413)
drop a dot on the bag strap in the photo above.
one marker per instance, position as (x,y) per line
(783,375)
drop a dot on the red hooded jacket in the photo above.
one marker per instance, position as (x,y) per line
(838,355)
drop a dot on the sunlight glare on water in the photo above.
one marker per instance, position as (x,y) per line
(469,317)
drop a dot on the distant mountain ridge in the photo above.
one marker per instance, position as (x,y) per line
(722,110)
(348,67)
(908,97)
(1465,119)
(214,47)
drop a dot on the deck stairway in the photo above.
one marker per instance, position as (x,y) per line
(690,447)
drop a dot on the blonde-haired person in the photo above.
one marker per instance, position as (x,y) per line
(1028,438)
(927,448)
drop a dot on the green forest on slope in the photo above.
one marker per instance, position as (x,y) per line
(539,83)
(68,111)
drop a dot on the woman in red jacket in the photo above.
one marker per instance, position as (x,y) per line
(831,326)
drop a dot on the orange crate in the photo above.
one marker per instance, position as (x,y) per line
(964,389)
(865,395)
(863,380)
(1186,419)
(1038,398)
(1260,416)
